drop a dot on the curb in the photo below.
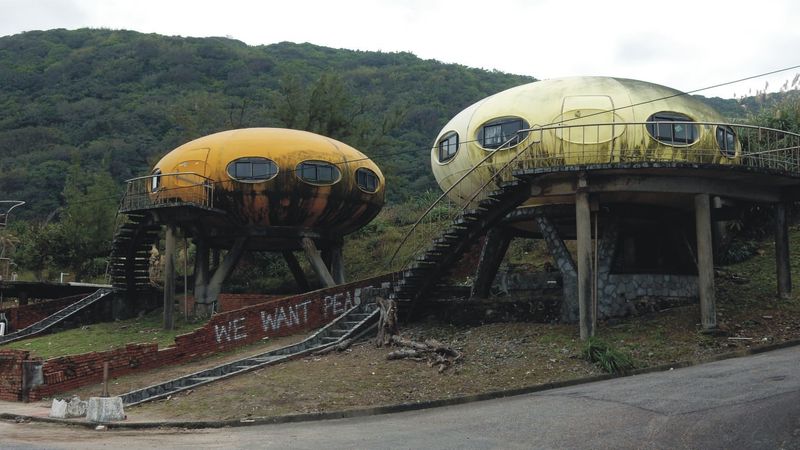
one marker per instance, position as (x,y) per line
(403,407)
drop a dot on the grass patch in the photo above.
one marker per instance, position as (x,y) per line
(105,336)
(608,358)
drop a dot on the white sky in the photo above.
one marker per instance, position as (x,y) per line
(685,44)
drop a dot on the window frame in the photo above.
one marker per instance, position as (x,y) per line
(726,130)
(501,122)
(368,173)
(155,180)
(301,167)
(448,156)
(251,160)
(657,120)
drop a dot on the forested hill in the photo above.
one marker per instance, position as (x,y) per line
(118,100)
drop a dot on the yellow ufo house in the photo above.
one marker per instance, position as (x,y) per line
(264,189)
(637,173)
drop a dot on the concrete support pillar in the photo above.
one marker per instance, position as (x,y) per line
(204,308)
(297,271)
(705,262)
(337,263)
(215,257)
(783,269)
(169,278)
(494,250)
(317,263)
(201,269)
(583,223)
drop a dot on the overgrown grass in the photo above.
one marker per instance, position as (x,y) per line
(105,336)
(608,358)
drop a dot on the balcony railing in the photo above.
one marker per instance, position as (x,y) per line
(606,144)
(169,189)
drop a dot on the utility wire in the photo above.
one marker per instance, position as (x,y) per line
(633,105)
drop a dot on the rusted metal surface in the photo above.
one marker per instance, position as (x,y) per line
(197,173)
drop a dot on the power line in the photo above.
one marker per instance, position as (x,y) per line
(426,149)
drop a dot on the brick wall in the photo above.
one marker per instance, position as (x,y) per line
(11,374)
(229,302)
(20,317)
(224,331)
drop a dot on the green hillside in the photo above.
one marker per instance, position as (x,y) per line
(121,99)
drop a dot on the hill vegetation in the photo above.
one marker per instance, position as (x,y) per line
(128,98)
(84,110)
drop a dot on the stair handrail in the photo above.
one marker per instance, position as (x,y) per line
(753,146)
(445,195)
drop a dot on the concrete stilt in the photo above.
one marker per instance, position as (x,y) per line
(494,250)
(169,278)
(705,262)
(583,230)
(337,263)
(201,269)
(297,271)
(215,257)
(317,263)
(783,269)
(204,308)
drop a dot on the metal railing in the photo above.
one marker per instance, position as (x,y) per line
(566,145)
(169,189)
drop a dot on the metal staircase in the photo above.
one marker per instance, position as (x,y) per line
(352,324)
(53,319)
(129,263)
(444,232)
(425,272)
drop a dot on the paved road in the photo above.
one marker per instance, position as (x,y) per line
(751,402)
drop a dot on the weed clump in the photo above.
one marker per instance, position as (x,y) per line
(602,354)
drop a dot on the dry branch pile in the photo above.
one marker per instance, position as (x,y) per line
(432,351)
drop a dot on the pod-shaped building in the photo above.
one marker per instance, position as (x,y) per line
(274,177)
(574,121)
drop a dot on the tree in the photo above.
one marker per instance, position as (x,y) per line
(87,219)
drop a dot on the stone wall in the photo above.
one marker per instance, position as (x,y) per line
(224,331)
(618,295)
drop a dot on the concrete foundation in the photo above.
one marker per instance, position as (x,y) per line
(104,409)
(63,409)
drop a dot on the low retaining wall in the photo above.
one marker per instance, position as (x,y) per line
(23,316)
(224,331)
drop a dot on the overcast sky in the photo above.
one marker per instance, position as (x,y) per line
(685,44)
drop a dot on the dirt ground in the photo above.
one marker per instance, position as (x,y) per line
(495,357)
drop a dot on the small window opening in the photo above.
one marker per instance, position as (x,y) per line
(367,180)
(252,169)
(318,172)
(498,132)
(666,127)
(726,139)
(155,181)
(448,147)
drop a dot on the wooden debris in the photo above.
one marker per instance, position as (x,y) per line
(387,323)
(434,352)
(340,347)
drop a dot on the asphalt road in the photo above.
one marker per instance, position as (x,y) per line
(751,402)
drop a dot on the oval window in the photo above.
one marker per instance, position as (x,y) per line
(671,128)
(367,180)
(155,182)
(726,139)
(318,172)
(502,133)
(252,169)
(448,146)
